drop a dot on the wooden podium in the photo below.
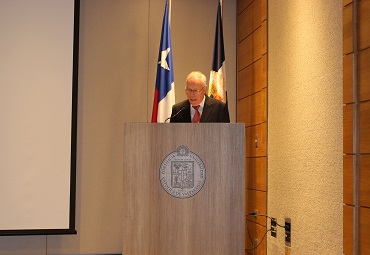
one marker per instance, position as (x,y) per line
(183,189)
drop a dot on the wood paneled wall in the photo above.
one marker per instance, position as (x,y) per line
(252,110)
(356,127)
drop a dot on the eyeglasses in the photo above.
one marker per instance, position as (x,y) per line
(196,91)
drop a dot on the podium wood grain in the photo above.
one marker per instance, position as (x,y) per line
(208,223)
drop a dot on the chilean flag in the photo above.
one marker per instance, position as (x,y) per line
(164,96)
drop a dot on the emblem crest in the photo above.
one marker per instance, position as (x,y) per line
(182,173)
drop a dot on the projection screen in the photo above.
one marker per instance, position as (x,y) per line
(38,113)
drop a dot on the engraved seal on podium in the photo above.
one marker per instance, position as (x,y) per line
(182,173)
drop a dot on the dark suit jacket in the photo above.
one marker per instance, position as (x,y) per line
(213,111)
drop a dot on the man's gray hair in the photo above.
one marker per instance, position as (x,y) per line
(198,75)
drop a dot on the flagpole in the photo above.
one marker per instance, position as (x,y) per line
(169,5)
(222,9)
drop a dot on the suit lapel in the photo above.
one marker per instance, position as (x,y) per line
(207,109)
(186,114)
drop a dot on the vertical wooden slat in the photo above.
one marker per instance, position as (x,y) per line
(364,231)
(263,10)
(256,200)
(365,127)
(348,179)
(364,24)
(252,109)
(256,140)
(364,195)
(356,220)
(348,79)
(242,4)
(347,230)
(256,177)
(253,78)
(255,232)
(347,30)
(253,47)
(250,19)
(364,74)
(346,2)
(348,129)
(264,39)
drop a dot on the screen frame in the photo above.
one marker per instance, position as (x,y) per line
(73,152)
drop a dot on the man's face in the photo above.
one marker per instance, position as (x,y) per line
(194,91)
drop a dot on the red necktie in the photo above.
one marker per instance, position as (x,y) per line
(196,117)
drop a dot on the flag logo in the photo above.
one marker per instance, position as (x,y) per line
(217,85)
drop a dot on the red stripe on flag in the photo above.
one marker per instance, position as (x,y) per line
(155,106)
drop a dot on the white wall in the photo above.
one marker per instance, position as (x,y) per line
(305,124)
(119,43)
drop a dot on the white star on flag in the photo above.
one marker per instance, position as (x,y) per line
(163,61)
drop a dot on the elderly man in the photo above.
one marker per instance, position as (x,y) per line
(199,107)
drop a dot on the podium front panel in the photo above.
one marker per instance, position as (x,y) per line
(183,189)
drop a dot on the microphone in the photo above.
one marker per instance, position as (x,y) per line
(182,108)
